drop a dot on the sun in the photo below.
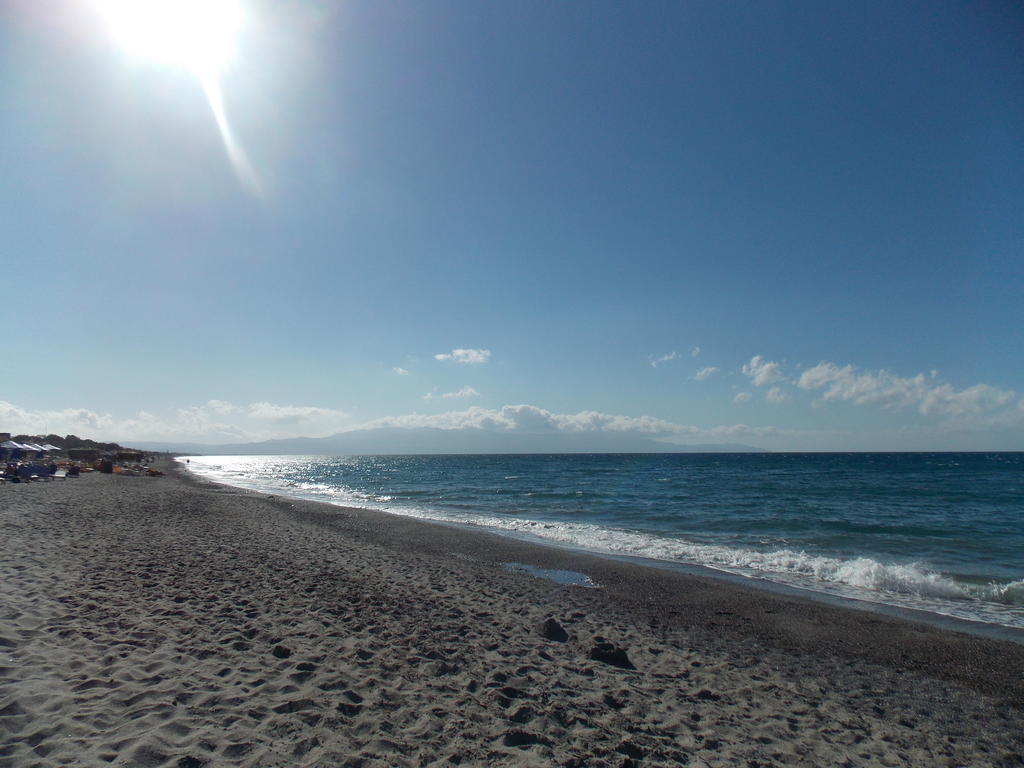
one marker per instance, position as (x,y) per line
(197,35)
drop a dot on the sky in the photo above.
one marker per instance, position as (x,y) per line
(793,225)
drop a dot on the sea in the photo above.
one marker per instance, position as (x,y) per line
(941,533)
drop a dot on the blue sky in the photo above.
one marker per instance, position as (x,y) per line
(794,225)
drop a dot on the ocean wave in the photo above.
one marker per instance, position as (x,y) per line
(1007,594)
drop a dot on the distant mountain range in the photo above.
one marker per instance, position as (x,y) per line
(397,440)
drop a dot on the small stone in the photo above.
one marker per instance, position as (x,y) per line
(629,749)
(608,653)
(552,630)
(613,702)
(282,651)
(521,739)
(522,715)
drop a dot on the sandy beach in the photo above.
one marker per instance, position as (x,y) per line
(173,622)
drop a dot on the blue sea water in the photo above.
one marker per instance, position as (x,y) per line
(939,532)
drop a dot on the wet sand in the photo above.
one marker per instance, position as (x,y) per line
(173,622)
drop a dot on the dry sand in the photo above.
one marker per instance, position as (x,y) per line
(173,622)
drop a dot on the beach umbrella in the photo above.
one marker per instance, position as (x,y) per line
(10,444)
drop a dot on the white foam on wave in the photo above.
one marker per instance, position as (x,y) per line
(1011,594)
(861,572)
(909,585)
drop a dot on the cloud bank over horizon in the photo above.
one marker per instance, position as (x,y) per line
(220,421)
(939,411)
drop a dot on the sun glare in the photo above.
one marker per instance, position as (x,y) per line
(198,35)
(195,35)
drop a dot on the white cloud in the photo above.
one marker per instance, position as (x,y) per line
(694,352)
(466,356)
(220,406)
(762,371)
(214,421)
(530,418)
(742,431)
(400,371)
(664,359)
(293,414)
(775,396)
(18,420)
(887,390)
(822,374)
(741,397)
(594,421)
(980,398)
(703,373)
(464,392)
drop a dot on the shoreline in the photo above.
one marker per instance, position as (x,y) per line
(177,622)
(934,617)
